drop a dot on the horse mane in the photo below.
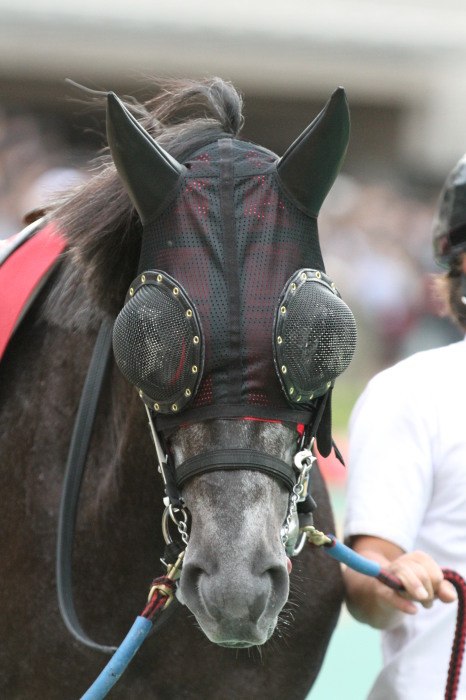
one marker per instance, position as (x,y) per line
(98,219)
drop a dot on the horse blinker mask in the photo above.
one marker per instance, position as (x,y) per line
(231,314)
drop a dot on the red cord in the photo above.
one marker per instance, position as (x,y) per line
(457,651)
(162,589)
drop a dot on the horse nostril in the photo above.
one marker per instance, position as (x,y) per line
(279,580)
(191,574)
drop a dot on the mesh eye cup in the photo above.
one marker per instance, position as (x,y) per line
(158,342)
(314,336)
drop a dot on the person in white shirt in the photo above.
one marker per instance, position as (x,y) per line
(406,495)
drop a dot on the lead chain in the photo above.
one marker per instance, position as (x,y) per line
(303,462)
(182,525)
(294,498)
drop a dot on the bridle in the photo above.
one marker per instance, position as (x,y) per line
(295,477)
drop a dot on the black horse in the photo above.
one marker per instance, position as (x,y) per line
(235,581)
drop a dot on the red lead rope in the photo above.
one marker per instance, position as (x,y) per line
(457,651)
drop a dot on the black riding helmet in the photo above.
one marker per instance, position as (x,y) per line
(449,226)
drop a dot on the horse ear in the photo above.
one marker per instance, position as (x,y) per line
(311,164)
(149,174)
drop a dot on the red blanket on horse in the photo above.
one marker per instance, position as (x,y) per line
(26,260)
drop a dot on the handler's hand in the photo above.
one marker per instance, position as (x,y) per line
(422,578)
(373,602)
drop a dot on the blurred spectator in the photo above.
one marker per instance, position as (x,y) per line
(32,168)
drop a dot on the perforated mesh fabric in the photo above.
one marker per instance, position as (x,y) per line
(314,335)
(157,342)
(232,238)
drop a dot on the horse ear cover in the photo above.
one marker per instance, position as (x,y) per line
(311,164)
(151,176)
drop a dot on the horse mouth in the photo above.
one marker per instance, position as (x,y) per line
(242,642)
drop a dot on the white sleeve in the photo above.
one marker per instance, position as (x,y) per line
(390,474)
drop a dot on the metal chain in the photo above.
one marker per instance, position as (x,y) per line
(303,462)
(181,524)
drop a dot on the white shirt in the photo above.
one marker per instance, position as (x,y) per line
(407,484)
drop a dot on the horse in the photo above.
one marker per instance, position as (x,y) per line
(251,623)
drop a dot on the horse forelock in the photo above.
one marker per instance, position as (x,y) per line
(98,220)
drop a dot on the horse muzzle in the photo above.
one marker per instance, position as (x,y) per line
(235,607)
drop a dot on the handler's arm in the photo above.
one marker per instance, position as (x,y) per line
(374,603)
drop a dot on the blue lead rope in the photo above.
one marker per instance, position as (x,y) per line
(345,555)
(160,597)
(120,660)
(339,551)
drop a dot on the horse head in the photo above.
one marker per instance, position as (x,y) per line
(233,335)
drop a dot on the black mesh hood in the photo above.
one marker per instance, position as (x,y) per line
(232,238)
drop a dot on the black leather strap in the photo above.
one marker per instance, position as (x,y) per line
(238,458)
(74,472)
